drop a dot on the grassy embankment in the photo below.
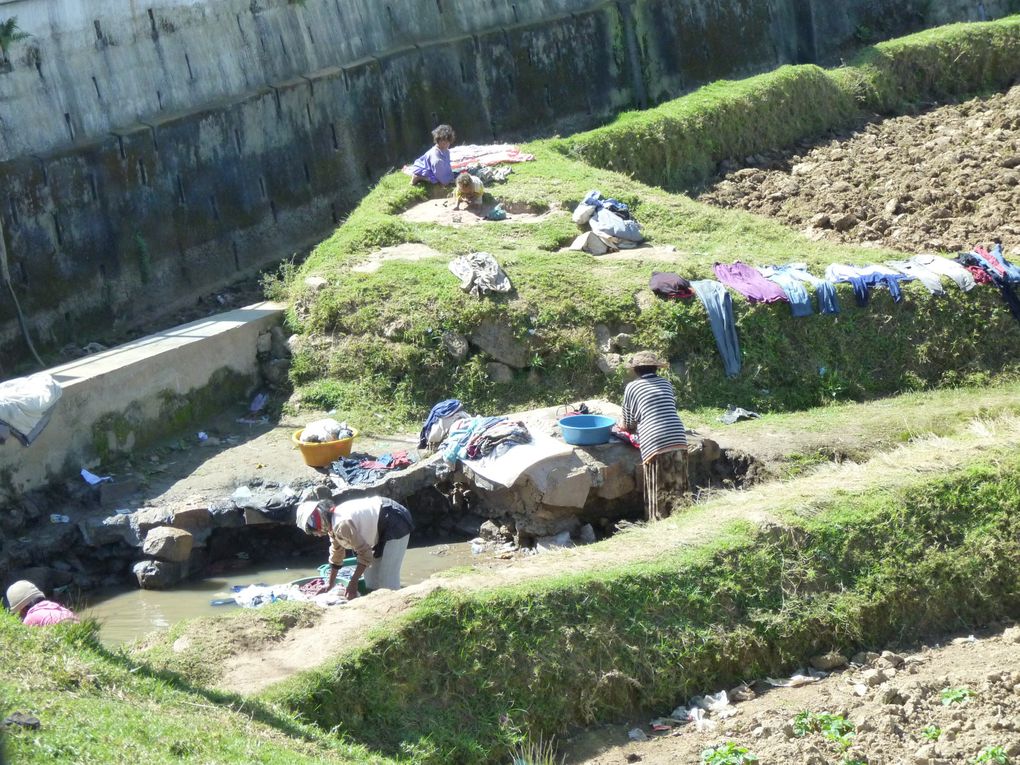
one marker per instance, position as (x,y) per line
(372,340)
(918,540)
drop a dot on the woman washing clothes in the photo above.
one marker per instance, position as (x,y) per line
(377,529)
(649,409)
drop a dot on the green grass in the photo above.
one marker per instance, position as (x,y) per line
(104,707)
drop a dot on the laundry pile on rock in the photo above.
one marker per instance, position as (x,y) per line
(611,225)
(364,469)
(462,436)
(790,284)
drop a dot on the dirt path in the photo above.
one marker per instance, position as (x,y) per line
(891,701)
(945,180)
(304,648)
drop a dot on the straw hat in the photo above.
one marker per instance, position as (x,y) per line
(21,594)
(646,359)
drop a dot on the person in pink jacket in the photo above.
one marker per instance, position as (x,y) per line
(28,602)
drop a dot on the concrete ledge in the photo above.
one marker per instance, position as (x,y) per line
(122,398)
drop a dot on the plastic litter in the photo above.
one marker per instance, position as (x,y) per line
(736,414)
(203,436)
(92,479)
(258,402)
(496,213)
(636,734)
(58,518)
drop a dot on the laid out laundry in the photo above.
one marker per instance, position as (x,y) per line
(980,275)
(931,280)
(825,291)
(26,404)
(324,430)
(998,270)
(792,287)
(489,175)
(670,286)
(862,278)
(735,414)
(463,157)
(719,305)
(437,424)
(478,437)
(612,218)
(275,504)
(258,595)
(946,267)
(361,469)
(748,282)
(480,274)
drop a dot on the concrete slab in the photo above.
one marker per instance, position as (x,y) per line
(113,401)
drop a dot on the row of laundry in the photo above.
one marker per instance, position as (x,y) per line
(790,283)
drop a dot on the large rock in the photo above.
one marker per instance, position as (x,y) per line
(455,344)
(191,516)
(617,478)
(114,529)
(499,373)
(158,575)
(146,519)
(278,343)
(498,341)
(168,544)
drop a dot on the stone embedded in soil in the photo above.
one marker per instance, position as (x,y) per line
(829,661)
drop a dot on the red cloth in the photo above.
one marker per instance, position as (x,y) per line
(46,612)
(980,275)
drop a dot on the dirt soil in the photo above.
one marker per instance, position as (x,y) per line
(966,693)
(441,211)
(947,179)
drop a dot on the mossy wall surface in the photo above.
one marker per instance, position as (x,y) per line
(464,675)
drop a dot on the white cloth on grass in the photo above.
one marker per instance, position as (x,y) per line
(479,274)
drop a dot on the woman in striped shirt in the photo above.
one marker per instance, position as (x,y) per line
(649,408)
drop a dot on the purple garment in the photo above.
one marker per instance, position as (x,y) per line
(750,283)
(434,166)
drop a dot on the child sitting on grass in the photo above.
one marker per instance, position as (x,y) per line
(469,191)
(434,165)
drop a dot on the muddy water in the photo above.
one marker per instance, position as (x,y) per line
(126,615)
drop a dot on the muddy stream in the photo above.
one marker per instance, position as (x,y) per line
(128,614)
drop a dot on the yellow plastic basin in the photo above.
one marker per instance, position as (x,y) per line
(322,454)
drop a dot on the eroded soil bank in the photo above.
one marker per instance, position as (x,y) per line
(945,179)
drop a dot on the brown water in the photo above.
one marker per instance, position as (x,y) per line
(126,615)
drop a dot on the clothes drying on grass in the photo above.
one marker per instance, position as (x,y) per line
(863,278)
(825,291)
(931,280)
(946,267)
(26,404)
(610,217)
(792,287)
(480,274)
(980,275)
(462,157)
(748,282)
(670,286)
(719,305)
(999,271)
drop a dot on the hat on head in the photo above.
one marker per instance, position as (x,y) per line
(21,594)
(646,359)
(314,516)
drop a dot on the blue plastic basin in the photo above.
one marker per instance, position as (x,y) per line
(586,429)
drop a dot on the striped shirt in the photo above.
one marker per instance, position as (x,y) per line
(650,404)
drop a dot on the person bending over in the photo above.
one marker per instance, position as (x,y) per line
(377,529)
(469,191)
(649,408)
(434,165)
(28,602)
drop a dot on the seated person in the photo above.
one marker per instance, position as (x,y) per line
(27,601)
(434,165)
(469,191)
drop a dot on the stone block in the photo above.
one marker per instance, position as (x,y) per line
(617,480)
(191,517)
(570,490)
(224,514)
(499,373)
(168,544)
(117,494)
(608,363)
(111,530)
(498,341)
(603,338)
(278,343)
(146,519)
(263,343)
(158,575)
(455,344)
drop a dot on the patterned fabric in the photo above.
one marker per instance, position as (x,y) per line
(649,405)
(666,484)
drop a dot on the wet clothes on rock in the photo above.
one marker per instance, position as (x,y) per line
(669,285)
(649,406)
(946,267)
(748,282)
(719,305)
(792,287)
(479,274)
(434,166)
(439,411)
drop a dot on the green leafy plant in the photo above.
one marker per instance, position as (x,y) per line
(10,33)
(932,732)
(995,755)
(835,728)
(952,696)
(727,754)
(854,761)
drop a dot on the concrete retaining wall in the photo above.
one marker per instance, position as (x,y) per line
(114,401)
(150,153)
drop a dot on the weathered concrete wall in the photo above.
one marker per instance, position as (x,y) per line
(150,153)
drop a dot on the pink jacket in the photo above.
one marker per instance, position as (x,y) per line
(46,612)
